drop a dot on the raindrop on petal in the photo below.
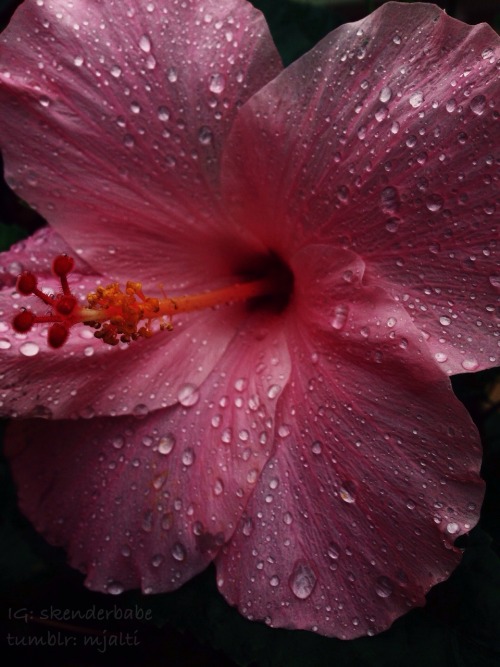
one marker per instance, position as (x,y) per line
(188,395)
(302,581)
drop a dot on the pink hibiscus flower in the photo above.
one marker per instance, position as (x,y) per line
(305,439)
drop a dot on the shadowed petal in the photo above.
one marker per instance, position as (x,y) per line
(113,119)
(391,155)
(375,473)
(148,503)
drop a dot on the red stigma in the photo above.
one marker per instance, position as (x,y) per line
(62,305)
(62,265)
(26,283)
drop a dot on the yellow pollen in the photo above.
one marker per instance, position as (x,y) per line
(128,315)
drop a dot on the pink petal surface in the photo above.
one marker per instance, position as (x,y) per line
(113,120)
(391,155)
(148,503)
(86,378)
(375,472)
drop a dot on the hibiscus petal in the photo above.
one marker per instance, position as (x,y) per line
(391,155)
(376,471)
(113,120)
(149,502)
(86,378)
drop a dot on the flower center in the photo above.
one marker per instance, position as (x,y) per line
(125,315)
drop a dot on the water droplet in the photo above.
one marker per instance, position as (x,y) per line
(348,492)
(166,444)
(135,107)
(145,44)
(392,225)
(179,552)
(389,200)
(118,442)
(44,101)
(205,135)
(218,487)
(434,203)
(163,114)
(383,587)
(29,349)
(452,528)
(416,99)
(380,114)
(140,410)
(385,94)
(440,357)
(116,71)
(316,447)
(445,321)
(115,588)
(340,315)
(478,104)
(495,281)
(333,551)
(78,61)
(216,83)
(273,391)
(302,580)
(274,581)
(4,344)
(188,395)
(128,141)
(188,457)
(157,560)
(470,364)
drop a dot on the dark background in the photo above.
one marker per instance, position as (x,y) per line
(459,627)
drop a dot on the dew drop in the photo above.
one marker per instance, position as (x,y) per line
(452,528)
(333,551)
(29,349)
(140,410)
(494,281)
(478,104)
(145,44)
(416,99)
(116,71)
(348,492)
(392,225)
(188,395)
(44,101)
(340,315)
(274,581)
(188,457)
(470,364)
(4,344)
(216,83)
(115,588)
(316,447)
(166,444)
(205,135)
(157,560)
(118,442)
(78,61)
(302,580)
(179,552)
(434,203)
(172,74)
(440,357)
(273,391)
(218,487)
(385,94)
(389,200)
(444,321)
(383,587)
